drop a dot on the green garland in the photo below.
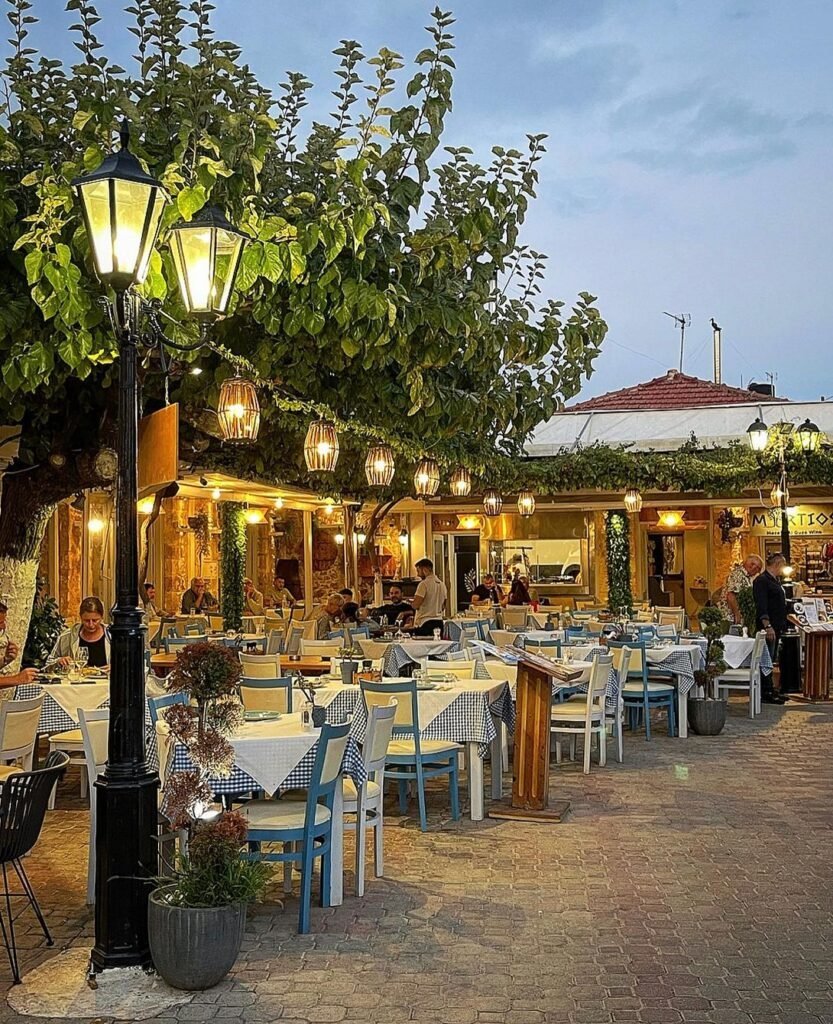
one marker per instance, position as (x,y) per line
(618,540)
(232,562)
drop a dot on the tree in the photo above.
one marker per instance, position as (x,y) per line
(383,288)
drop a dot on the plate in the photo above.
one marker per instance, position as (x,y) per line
(262,716)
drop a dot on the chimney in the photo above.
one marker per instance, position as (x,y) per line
(718,352)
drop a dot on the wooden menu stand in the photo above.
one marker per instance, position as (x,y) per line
(817,665)
(531,766)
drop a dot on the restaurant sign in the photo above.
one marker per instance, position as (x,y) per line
(804,520)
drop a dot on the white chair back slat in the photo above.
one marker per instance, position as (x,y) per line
(261,666)
(461,669)
(333,759)
(19,727)
(378,736)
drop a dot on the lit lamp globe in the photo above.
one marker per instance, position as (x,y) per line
(321,447)
(207,251)
(122,207)
(238,410)
(809,436)
(526,504)
(758,434)
(460,482)
(427,478)
(380,465)
(779,494)
(361,536)
(492,503)
(633,500)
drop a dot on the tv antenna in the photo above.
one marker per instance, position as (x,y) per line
(682,320)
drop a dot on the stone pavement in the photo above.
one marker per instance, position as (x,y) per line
(692,883)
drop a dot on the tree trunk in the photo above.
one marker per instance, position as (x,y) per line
(29,499)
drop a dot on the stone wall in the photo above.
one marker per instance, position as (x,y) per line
(67,587)
(327,556)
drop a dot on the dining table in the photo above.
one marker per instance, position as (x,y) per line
(307,665)
(277,754)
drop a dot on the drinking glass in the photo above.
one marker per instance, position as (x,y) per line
(437,634)
(82,658)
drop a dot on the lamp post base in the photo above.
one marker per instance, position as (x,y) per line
(127,866)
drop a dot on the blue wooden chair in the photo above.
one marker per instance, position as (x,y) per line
(267,694)
(304,829)
(157,704)
(176,643)
(575,631)
(410,757)
(641,693)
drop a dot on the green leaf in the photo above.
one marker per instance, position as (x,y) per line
(190,201)
(362,221)
(34,265)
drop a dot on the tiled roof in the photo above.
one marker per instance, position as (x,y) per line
(673,390)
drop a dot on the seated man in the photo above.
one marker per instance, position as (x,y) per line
(252,599)
(329,616)
(487,593)
(148,599)
(12,651)
(197,600)
(396,609)
(281,596)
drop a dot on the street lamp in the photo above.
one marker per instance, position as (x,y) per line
(758,434)
(207,251)
(122,207)
(809,436)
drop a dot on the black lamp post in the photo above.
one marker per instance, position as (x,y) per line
(122,206)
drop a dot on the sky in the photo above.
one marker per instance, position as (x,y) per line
(689,154)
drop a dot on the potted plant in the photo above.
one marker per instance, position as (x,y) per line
(196,918)
(706,714)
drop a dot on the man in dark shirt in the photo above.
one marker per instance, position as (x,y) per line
(771,609)
(487,593)
(396,607)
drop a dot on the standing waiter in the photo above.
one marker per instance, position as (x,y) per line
(771,609)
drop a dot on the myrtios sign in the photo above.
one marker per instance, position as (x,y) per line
(805,521)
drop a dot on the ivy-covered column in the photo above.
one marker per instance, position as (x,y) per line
(232,562)
(618,542)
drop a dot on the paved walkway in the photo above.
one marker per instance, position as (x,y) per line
(692,883)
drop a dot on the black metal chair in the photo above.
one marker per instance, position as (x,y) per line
(24,797)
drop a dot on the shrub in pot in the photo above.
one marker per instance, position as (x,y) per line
(706,714)
(197,917)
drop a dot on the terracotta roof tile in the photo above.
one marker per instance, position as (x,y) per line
(673,390)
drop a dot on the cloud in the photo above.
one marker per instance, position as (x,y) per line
(696,129)
(586,77)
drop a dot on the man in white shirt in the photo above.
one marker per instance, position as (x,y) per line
(429,599)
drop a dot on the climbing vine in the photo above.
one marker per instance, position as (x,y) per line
(232,562)
(618,541)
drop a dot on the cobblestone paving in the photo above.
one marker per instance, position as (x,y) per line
(692,883)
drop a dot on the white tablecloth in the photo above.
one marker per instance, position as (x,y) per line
(268,751)
(737,650)
(71,696)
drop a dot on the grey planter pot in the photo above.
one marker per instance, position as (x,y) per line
(193,948)
(706,717)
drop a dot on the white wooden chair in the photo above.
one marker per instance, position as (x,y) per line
(748,679)
(320,648)
(216,623)
(367,801)
(514,616)
(585,716)
(261,666)
(461,669)
(94,728)
(18,734)
(671,617)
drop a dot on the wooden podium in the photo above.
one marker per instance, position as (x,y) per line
(531,766)
(817,665)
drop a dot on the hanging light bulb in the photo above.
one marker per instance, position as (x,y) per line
(145,506)
(492,503)
(95,525)
(254,516)
(380,465)
(238,410)
(403,537)
(427,478)
(633,500)
(526,504)
(460,482)
(777,493)
(215,494)
(321,447)
(278,503)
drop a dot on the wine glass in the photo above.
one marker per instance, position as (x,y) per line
(82,658)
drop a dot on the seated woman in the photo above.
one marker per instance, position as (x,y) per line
(90,633)
(10,654)
(519,594)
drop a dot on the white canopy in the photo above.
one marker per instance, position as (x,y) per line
(668,429)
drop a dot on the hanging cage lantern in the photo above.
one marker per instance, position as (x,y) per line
(321,447)
(380,465)
(492,503)
(207,251)
(427,478)
(238,410)
(460,482)
(633,500)
(122,206)
(780,492)
(526,503)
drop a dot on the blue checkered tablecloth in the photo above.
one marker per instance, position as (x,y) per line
(396,659)
(299,778)
(54,719)
(467,719)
